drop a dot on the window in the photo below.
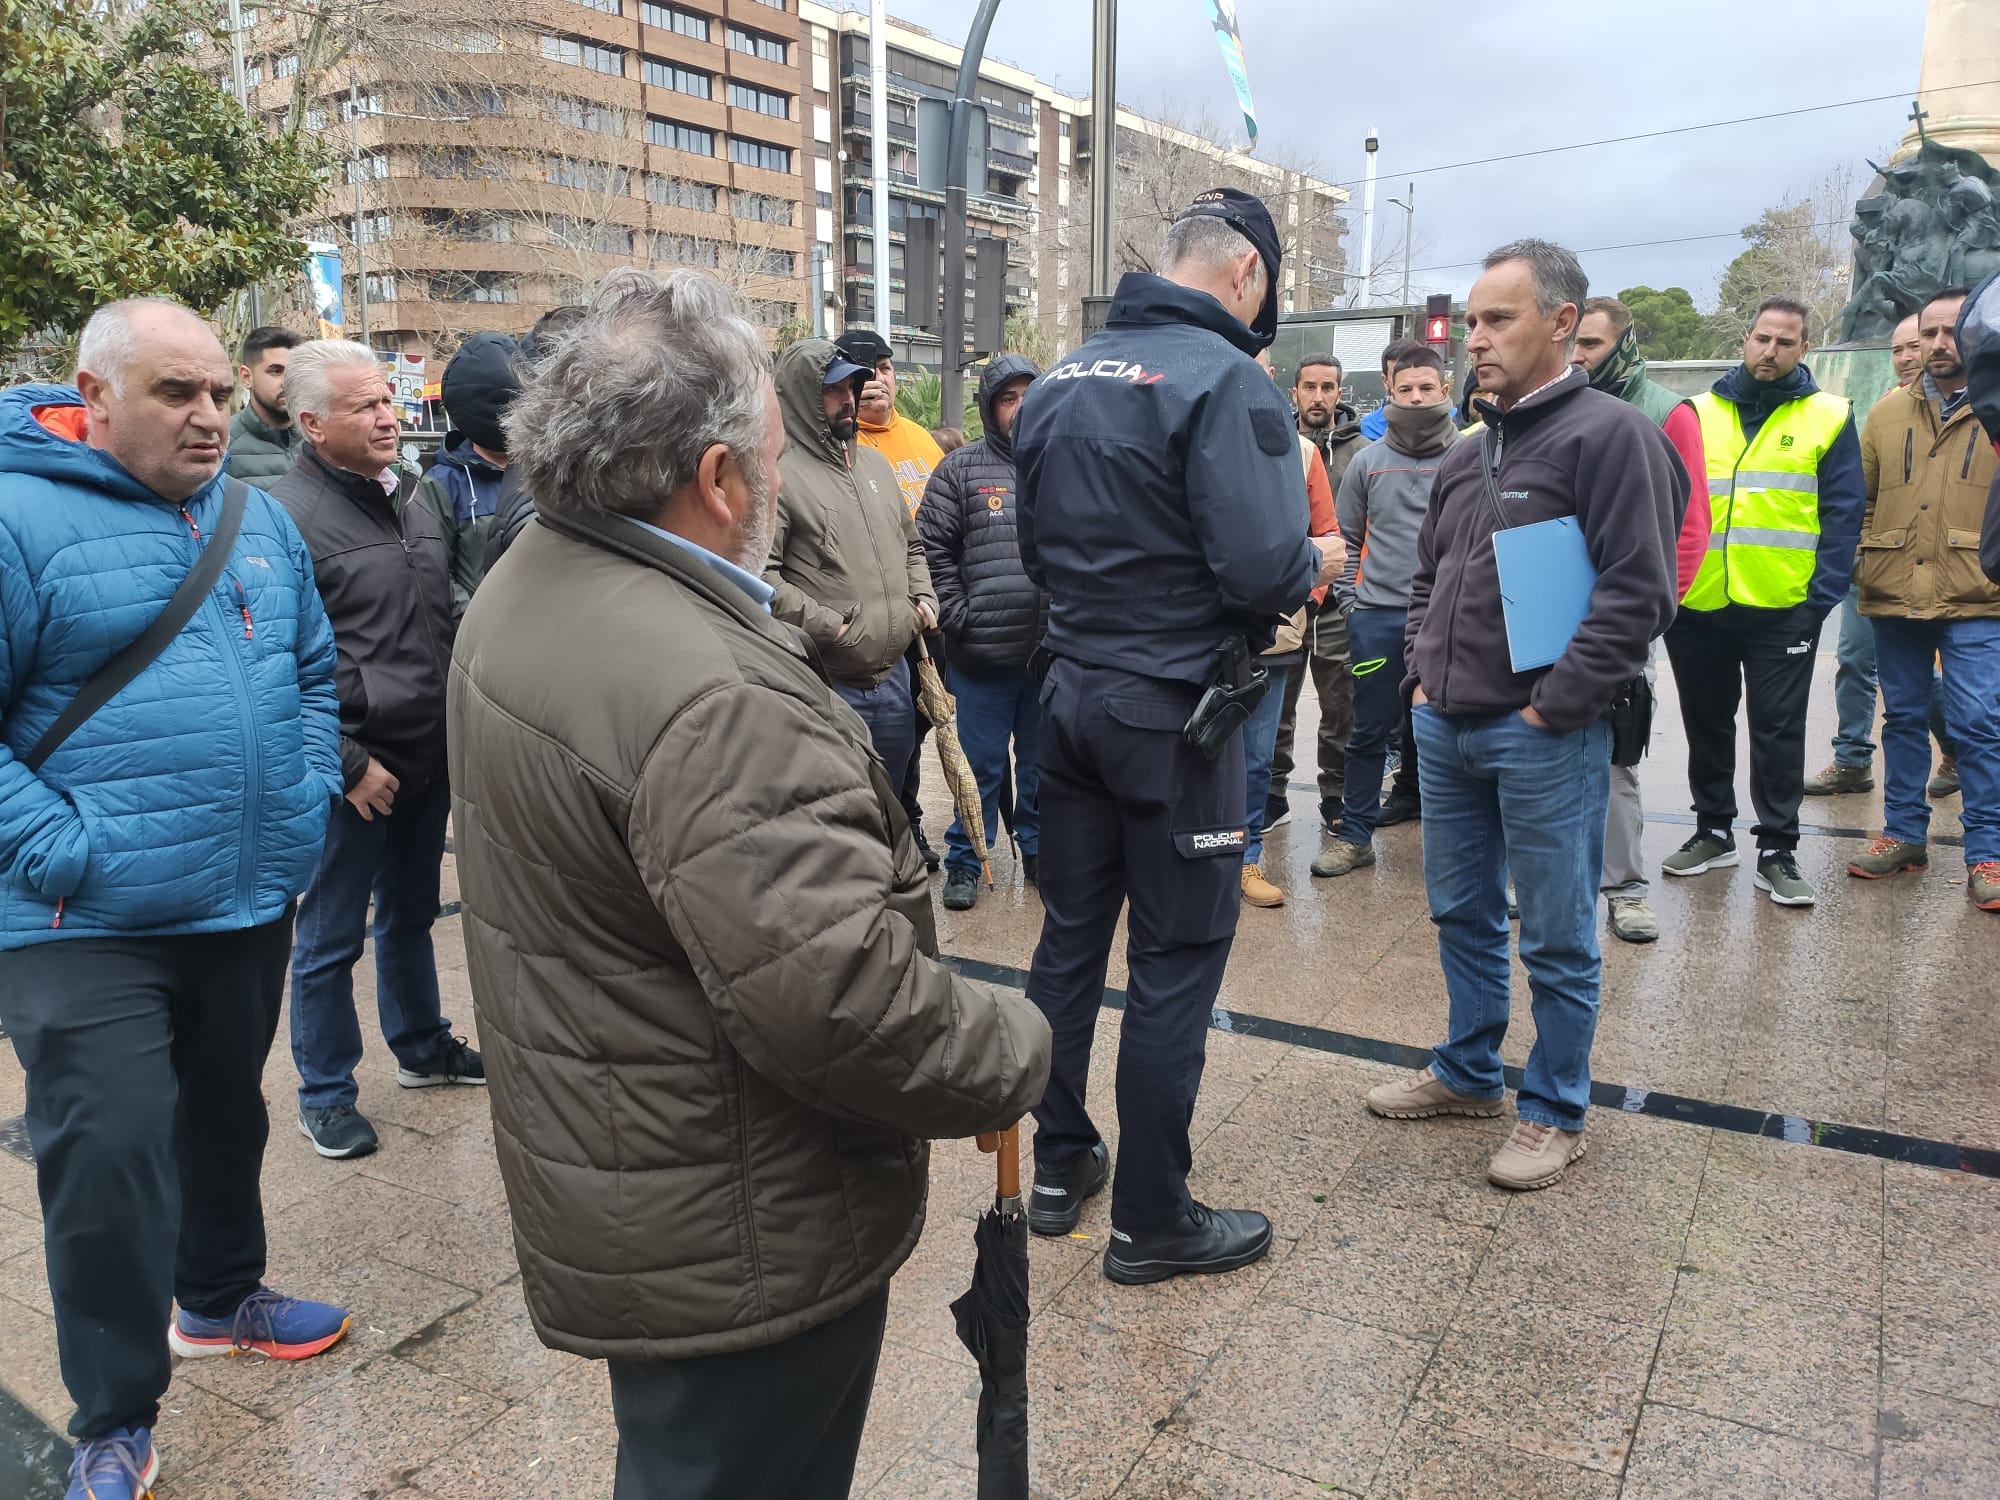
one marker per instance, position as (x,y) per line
(680,137)
(589,176)
(253,75)
(762,208)
(251,16)
(778,106)
(456,161)
(773,314)
(471,100)
(380,288)
(577,234)
(681,80)
(476,40)
(774,4)
(360,104)
(287,66)
(826,200)
(578,53)
(757,154)
(476,286)
(584,115)
(687,250)
(669,18)
(678,192)
(770,262)
(372,165)
(756,44)
(315,117)
(609,7)
(374,227)
(493,228)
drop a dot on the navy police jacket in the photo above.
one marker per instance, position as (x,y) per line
(1161,502)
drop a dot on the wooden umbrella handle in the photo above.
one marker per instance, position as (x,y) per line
(1008,1144)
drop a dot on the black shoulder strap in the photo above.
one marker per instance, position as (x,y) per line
(111,678)
(1489,458)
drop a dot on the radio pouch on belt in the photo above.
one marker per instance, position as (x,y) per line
(1235,687)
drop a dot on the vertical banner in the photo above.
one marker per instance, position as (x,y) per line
(323,271)
(1222,16)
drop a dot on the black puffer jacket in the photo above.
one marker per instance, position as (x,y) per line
(992,615)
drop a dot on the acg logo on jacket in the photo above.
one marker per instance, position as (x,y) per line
(1130,371)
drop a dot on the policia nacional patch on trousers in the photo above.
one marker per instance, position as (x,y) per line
(1213,841)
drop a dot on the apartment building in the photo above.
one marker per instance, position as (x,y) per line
(505,160)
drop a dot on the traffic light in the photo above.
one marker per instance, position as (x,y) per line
(1437,318)
(920,272)
(989,295)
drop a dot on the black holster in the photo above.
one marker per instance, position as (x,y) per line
(1236,685)
(1630,716)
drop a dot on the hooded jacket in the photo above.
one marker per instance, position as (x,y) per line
(196,799)
(1162,500)
(1623,374)
(700,943)
(1979,346)
(462,493)
(1381,506)
(1565,450)
(1337,444)
(845,558)
(910,451)
(992,613)
(385,578)
(1927,479)
(257,450)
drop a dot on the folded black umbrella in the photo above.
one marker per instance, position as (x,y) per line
(992,1319)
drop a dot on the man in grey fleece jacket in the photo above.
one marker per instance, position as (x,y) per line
(1381,507)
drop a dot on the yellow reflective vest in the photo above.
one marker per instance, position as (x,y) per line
(1763,500)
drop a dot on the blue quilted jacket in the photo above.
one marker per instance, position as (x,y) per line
(196,800)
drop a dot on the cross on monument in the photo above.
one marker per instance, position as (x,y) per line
(1918,114)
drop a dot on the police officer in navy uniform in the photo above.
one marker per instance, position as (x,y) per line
(1162,506)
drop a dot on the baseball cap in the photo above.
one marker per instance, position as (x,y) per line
(865,347)
(841,369)
(1246,214)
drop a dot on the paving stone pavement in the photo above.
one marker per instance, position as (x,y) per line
(1691,1312)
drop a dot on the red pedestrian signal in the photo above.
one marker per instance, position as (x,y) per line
(1437,330)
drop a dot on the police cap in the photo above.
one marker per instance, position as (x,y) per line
(1246,214)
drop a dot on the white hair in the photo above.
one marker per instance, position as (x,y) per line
(659,369)
(110,343)
(1204,240)
(308,386)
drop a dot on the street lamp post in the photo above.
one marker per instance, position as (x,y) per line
(1409,232)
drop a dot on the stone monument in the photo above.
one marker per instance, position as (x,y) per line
(1932,217)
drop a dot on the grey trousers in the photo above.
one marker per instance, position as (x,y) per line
(1625,824)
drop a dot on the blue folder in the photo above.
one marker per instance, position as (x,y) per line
(1546,578)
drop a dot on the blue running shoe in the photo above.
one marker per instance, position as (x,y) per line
(267,1324)
(121,1465)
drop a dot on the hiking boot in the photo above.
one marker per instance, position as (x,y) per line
(1982,884)
(1420,1097)
(1944,780)
(1257,890)
(453,1062)
(1329,814)
(337,1131)
(931,857)
(1031,869)
(1778,873)
(265,1323)
(1837,780)
(1207,1241)
(1277,812)
(961,890)
(1398,808)
(1344,859)
(1888,856)
(1535,1156)
(121,1465)
(1704,852)
(1633,921)
(1057,1201)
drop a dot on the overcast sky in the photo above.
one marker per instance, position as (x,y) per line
(1446,82)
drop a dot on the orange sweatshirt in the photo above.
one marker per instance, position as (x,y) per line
(911,451)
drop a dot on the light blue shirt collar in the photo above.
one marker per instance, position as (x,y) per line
(759,591)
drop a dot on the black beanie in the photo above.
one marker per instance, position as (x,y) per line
(479,385)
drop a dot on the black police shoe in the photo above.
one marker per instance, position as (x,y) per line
(1208,1240)
(961,891)
(1030,869)
(1057,1201)
(931,857)
(1397,808)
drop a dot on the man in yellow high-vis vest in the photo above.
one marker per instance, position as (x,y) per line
(1785,496)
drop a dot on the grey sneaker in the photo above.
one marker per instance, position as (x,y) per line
(1944,781)
(1344,859)
(452,1063)
(337,1131)
(1778,873)
(1837,779)
(1702,853)
(1632,920)
(1886,857)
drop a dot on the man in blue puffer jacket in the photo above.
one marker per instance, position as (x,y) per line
(148,868)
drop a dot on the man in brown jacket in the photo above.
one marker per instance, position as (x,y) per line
(1928,466)
(846,562)
(699,934)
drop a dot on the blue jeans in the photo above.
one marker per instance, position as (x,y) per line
(1971,653)
(1854,685)
(1500,795)
(995,706)
(891,719)
(395,860)
(1260,743)
(1375,647)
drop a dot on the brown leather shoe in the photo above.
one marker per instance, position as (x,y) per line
(1420,1097)
(1535,1156)
(1257,890)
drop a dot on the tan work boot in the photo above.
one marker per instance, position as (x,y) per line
(1420,1096)
(1257,890)
(1535,1156)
